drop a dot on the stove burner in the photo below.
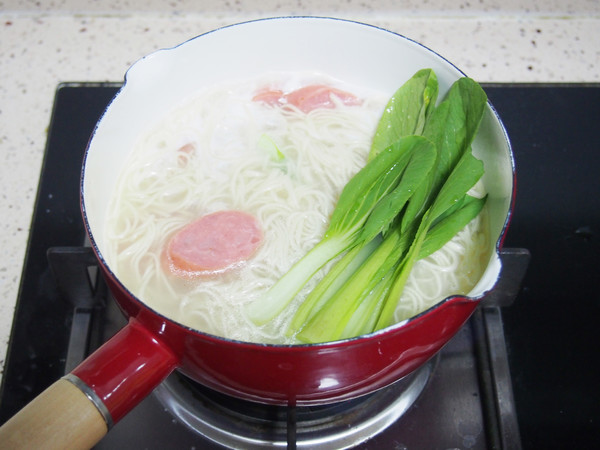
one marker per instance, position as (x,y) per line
(236,423)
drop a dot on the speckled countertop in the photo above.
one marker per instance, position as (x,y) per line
(73,40)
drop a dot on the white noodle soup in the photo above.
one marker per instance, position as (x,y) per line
(221,150)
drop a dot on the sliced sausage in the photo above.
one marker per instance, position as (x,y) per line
(214,243)
(307,98)
(311,97)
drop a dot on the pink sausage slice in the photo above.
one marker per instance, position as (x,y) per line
(214,243)
(312,97)
(307,98)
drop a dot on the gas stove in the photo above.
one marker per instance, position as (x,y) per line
(463,398)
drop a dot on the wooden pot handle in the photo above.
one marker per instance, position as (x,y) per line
(60,417)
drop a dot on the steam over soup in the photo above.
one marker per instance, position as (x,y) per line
(232,187)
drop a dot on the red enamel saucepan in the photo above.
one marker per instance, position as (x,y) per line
(79,409)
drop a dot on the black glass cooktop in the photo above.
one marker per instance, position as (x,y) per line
(551,329)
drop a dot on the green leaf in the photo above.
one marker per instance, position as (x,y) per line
(445,229)
(418,202)
(407,110)
(421,162)
(463,177)
(368,186)
(453,125)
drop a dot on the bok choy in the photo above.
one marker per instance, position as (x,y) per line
(408,201)
(358,198)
